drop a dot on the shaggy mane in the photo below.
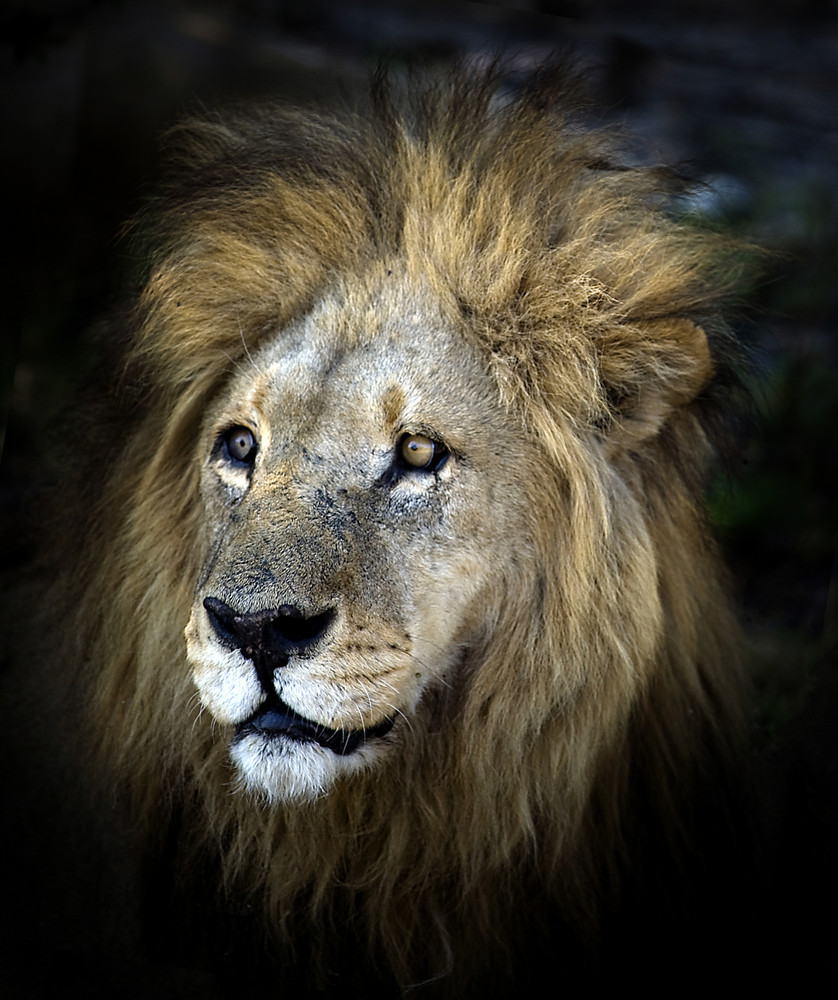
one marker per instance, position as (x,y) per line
(587,716)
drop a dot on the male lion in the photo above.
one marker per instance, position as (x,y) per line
(417,434)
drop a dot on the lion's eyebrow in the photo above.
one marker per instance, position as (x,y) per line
(393,403)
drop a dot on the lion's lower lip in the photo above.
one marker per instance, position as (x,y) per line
(274,719)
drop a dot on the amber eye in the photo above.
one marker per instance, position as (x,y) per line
(240,444)
(420,452)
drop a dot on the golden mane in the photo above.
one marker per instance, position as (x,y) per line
(609,673)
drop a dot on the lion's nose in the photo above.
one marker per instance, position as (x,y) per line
(274,634)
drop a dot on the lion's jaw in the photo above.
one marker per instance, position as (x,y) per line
(342,582)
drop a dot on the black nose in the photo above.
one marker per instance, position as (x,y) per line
(271,635)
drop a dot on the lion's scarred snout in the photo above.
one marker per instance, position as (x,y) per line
(274,634)
(269,638)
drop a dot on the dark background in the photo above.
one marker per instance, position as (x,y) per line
(745,95)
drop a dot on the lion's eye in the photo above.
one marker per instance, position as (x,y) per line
(240,444)
(420,452)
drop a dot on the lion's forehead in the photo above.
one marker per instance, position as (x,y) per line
(350,368)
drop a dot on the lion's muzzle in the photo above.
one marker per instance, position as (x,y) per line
(270,638)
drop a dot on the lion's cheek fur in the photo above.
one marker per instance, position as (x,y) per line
(225,680)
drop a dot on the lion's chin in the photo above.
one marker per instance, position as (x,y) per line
(281,756)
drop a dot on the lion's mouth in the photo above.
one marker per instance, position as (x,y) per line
(275,719)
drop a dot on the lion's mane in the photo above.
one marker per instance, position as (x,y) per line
(585,720)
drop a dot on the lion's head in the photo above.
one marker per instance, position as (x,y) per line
(416,467)
(366,501)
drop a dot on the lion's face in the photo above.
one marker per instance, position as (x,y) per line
(363,489)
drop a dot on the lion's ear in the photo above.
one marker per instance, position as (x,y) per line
(648,371)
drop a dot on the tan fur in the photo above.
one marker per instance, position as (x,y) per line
(482,246)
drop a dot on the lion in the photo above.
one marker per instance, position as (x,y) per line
(398,599)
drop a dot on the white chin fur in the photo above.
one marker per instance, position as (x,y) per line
(278,769)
